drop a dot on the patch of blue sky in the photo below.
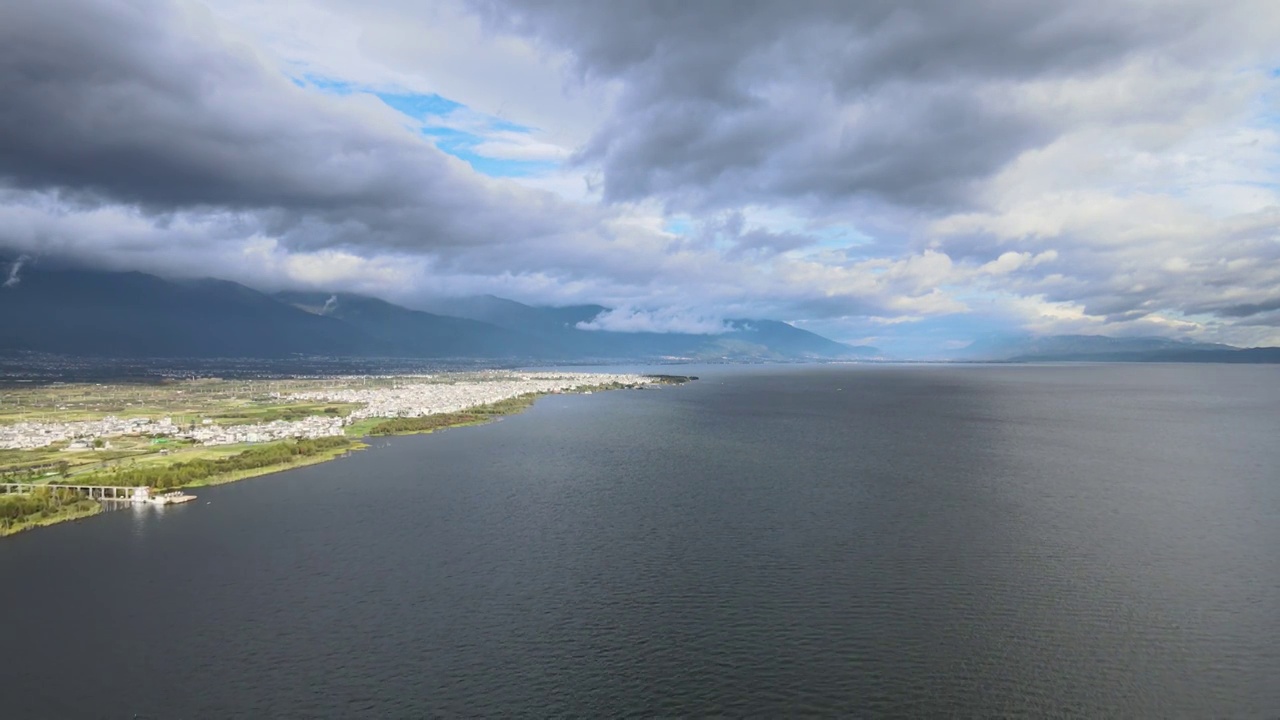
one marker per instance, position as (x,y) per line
(324,84)
(678,226)
(451,140)
(838,237)
(461,143)
(419,106)
(429,109)
(505,125)
(502,167)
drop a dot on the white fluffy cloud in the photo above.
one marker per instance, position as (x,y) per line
(668,320)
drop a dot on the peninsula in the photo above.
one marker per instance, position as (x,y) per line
(189,433)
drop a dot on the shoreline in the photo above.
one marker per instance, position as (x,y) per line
(78,512)
(238,475)
(364,430)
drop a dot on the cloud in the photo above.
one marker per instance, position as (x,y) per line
(868,169)
(667,320)
(156,105)
(725,102)
(12,279)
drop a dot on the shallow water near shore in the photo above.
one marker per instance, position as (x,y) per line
(1077,540)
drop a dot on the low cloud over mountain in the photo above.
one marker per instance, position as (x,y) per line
(107,314)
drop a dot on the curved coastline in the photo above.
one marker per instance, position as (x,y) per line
(355,440)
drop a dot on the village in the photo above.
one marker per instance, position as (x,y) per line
(408,396)
(428,395)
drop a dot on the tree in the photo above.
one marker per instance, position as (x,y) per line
(64,468)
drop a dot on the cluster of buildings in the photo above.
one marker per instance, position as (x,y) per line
(407,397)
(425,397)
(311,427)
(33,435)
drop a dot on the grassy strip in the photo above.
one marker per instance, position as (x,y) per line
(361,428)
(50,516)
(291,411)
(479,415)
(256,460)
(296,462)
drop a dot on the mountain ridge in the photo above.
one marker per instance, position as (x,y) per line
(78,312)
(131,314)
(1106,348)
(561,325)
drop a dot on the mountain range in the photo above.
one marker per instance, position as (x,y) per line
(92,313)
(131,314)
(1102,348)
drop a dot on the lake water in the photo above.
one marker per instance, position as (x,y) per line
(1092,541)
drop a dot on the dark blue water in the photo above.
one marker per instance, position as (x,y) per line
(1091,541)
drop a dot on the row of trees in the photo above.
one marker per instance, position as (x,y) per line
(191,471)
(480,413)
(425,423)
(16,507)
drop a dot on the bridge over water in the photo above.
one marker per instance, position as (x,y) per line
(99,492)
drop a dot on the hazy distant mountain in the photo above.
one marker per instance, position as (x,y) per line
(516,316)
(130,314)
(83,312)
(111,314)
(1099,348)
(559,327)
(774,334)
(415,333)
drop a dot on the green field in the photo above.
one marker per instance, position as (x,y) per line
(227,402)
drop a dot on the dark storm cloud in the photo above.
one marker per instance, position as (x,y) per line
(764,243)
(731,101)
(730,233)
(1242,310)
(1271,319)
(1250,309)
(143,103)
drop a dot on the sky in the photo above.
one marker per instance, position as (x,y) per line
(906,174)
